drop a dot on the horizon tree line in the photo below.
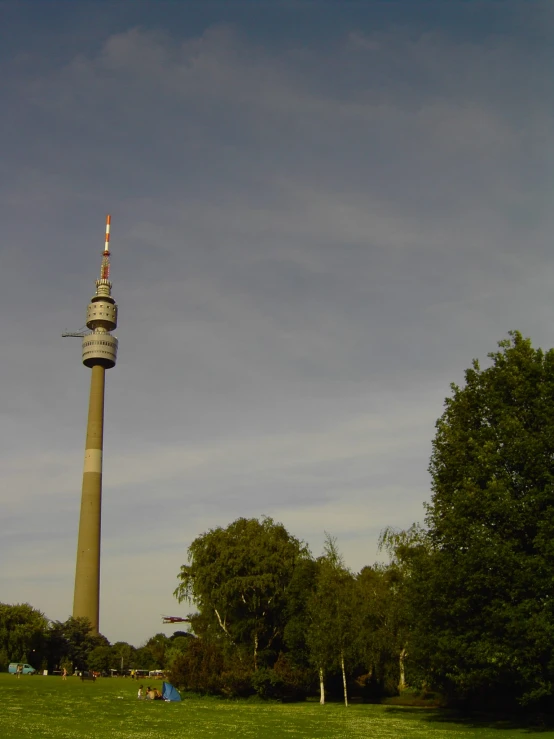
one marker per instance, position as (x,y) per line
(463,607)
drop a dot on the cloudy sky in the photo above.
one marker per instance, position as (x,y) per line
(321,212)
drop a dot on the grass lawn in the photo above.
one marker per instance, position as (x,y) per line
(40,707)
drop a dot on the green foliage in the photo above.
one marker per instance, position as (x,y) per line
(238,578)
(123,656)
(156,646)
(285,681)
(390,612)
(178,646)
(100,659)
(485,627)
(296,614)
(22,633)
(199,668)
(331,611)
(72,641)
(382,633)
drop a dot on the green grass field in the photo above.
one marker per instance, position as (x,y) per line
(42,707)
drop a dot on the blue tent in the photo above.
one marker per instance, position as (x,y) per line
(169,693)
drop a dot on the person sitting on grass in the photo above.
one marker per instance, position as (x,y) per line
(153,694)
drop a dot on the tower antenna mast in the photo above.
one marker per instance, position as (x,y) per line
(105,268)
(99,353)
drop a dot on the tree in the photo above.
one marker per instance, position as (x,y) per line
(381,646)
(387,605)
(100,659)
(332,613)
(238,578)
(177,646)
(122,656)
(23,632)
(74,640)
(485,630)
(157,646)
(199,668)
(297,617)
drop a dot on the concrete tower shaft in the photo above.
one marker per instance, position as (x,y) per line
(99,353)
(86,598)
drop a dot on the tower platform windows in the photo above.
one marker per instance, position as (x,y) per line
(101,349)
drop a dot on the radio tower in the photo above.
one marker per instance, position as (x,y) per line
(99,353)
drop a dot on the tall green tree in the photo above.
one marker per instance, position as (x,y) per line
(177,646)
(100,659)
(238,578)
(485,630)
(387,605)
(74,640)
(157,646)
(332,615)
(23,633)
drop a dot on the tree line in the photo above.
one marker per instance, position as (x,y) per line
(27,635)
(273,620)
(465,605)
(463,608)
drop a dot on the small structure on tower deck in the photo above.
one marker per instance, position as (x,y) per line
(100,354)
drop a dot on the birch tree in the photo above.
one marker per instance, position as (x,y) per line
(332,611)
(238,579)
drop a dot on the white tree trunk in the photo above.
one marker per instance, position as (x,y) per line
(222,623)
(321,687)
(344,678)
(402,682)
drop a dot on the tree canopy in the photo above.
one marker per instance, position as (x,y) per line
(465,605)
(22,632)
(485,629)
(238,579)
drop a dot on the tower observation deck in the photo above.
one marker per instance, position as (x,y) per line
(99,353)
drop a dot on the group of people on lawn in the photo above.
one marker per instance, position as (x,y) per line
(152,694)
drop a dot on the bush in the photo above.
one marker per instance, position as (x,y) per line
(199,669)
(284,682)
(236,682)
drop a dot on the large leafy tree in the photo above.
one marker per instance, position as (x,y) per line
(100,659)
(238,578)
(157,646)
(72,641)
(23,632)
(485,629)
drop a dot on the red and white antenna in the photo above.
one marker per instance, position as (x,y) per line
(105,269)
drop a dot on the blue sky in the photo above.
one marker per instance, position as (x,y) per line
(321,212)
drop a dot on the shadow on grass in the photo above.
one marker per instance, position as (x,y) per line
(532,724)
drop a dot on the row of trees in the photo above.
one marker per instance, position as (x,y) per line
(26,635)
(273,620)
(465,605)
